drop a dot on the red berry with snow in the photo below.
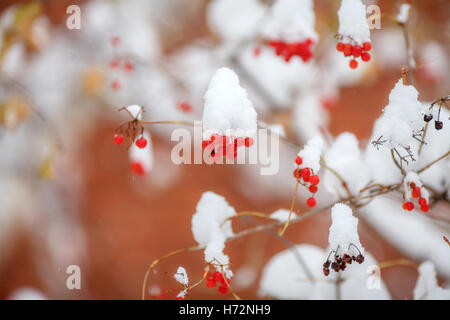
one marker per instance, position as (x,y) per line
(137,168)
(298,160)
(340,46)
(118,139)
(311,202)
(141,142)
(425,208)
(297,174)
(408,205)
(179,298)
(305,173)
(313,189)
(217,276)
(357,50)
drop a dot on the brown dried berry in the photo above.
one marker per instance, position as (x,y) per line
(360,258)
(326,272)
(427,117)
(326,264)
(438,125)
(346,258)
(335,266)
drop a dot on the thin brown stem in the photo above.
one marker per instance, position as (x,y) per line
(434,161)
(291,208)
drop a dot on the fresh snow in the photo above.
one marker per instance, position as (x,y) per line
(353,22)
(311,154)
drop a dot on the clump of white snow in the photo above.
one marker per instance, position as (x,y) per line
(181,276)
(401,118)
(291,21)
(282,215)
(227,111)
(345,158)
(310,154)
(403,13)
(353,22)
(343,236)
(209,229)
(427,286)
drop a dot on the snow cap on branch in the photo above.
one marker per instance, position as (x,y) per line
(181,276)
(401,118)
(291,21)
(209,229)
(343,236)
(227,111)
(427,286)
(282,215)
(310,154)
(403,13)
(353,22)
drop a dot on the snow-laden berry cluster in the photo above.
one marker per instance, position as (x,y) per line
(211,228)
(401,118)
(229,118)
(212,279)
(308,165)
(354,32)
(343,239)
(414,189)
(290,29)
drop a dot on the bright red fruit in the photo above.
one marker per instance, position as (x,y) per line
(305,173)
(248,142)
(217,276)
(314,179)
(137,168)
(353,64)
(425,208)
(357,50)
(416,192)
(367,46)
(297,174)
(118,139)
(223,289)
(211,283)
(141,142)
(365,56)
(340,46)
(313,189)
(311,202)
(408,205)
(298,160)
(422,201)
(179,298)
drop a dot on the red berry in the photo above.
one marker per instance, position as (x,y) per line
(248,142)
(313,189)
(425,208)
(340,46)
(115,41)
(211,283)
(367,46)
(179,298)
(217,276)
(223,289)
(116,85)
(311,202)
(353,64)
(297,173)
(257,51)
(422,201)
(298,160)
(357,50)
(347,49)
(128,66)
(365,56)
(314,179)
(118,139)
(137,168)
(141,142)
(305,173)
(114,64)
(185,107)
(408,205)
(416,192)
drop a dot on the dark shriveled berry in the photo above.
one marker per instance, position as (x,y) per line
(438,125)
(335,266)
(326,264)
(346,258)
(427,117)
(360,258)
(326,272)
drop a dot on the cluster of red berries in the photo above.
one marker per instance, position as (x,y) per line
(140,143)
(289,49)
(213,278)
(355,51)
(416,194)
(339,264)
(127,66)
(307,179)
(220,146)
